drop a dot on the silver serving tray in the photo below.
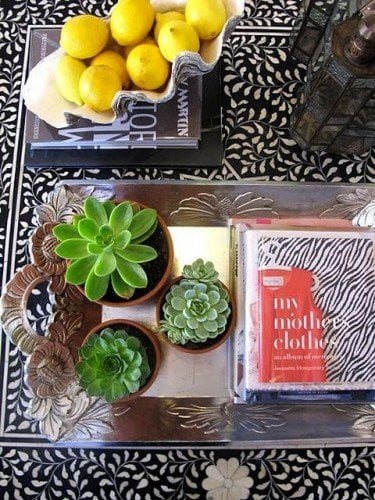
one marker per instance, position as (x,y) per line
(193,400)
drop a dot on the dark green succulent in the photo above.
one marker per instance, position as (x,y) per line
(113,365)
(104,247)
(194,311)
(200,272)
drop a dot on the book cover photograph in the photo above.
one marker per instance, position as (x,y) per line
(176,122)
(309,316)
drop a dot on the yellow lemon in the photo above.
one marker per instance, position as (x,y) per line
(84,36)
(115,61)
(98,86)
(131,20)
(206,16)
(175,37)
(147,40)
(163,17)
(68,74)
(146,67)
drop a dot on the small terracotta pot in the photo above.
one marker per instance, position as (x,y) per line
(209,345)
(157,270)
(149,342)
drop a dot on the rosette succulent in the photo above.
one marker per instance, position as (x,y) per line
(104,247)
(200,272)
(195,311)
(113,364)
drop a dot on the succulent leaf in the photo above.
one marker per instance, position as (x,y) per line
(132,273)
(105,236)
(142,222)
(74,248)
(78,271)
(94,388)
(94,248)
(105,264)
(96,286)
(95,210)
(121,217)
(121,288)
(133,374)
(65,231)
(178,303)
(122,239)
(146,234)
(213,297)
(138,253)
(88,229)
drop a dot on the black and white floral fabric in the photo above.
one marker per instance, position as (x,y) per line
(260,83)
(46,473)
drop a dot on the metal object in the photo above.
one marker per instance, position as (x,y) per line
(193,397)
(360,49)
(337,106)
(312,25)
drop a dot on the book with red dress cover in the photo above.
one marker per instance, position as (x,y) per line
(309,308)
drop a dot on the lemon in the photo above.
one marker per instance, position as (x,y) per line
(131,21)
(115,61)
(146,67)
(148,40)
(98,86)
(175,37)
(68,74)
(207,17)
(163,17)
(84,36)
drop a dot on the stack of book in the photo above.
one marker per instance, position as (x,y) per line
(306,296)
(152,134)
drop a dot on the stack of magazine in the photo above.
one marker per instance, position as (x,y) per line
(306,293)
(173,125)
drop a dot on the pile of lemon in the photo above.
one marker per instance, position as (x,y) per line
(134,50)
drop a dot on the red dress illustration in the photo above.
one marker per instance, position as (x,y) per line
(291,342)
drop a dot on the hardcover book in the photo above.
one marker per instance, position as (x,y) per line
(175,123)
(309,313)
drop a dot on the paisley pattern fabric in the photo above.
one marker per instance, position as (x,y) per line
(260,84)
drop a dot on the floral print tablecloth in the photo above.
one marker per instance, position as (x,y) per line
(260,83)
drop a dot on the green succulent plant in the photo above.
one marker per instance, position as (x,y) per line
(113,365)
(200,272)
(195,311)
(104,247)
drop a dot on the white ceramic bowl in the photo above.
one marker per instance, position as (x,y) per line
(43,98)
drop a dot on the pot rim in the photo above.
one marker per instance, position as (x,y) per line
(220,339)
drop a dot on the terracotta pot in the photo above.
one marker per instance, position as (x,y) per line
(158,270)
(208,345)
(149,342)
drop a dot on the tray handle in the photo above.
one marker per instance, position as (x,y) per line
(13,308)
